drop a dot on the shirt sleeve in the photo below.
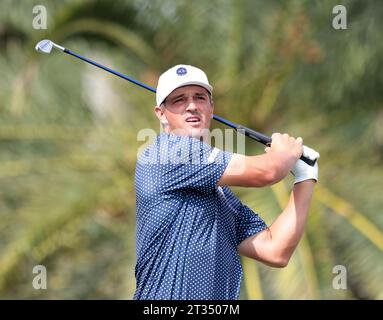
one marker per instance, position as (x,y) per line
(247,222)
(185,163)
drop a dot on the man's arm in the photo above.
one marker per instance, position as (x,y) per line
(265,169)
(274,246)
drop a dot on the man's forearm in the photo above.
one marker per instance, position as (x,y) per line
(274,246)
(287,229)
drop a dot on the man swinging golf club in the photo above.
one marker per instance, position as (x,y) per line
(191,228)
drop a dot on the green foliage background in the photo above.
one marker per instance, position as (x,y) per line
(68,134)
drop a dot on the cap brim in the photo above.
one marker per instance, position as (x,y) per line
(190,83)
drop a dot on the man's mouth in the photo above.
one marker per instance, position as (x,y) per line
(193,119)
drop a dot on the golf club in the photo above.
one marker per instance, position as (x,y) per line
(309,156)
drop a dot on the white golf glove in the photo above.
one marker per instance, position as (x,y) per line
(310,153)
(302,171)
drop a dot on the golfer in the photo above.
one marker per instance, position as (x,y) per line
(191,229)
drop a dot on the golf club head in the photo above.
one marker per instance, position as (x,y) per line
(44,46)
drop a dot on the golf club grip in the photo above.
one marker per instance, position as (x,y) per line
(260,137)
(266,140)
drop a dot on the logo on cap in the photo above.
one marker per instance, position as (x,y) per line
(181,71)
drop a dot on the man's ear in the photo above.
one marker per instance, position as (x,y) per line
(160,115)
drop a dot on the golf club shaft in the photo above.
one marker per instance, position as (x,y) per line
(266,140)
(143,85)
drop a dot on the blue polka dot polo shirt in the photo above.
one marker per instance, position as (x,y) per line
(188,228)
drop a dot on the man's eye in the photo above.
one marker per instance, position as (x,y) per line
(202,98)
(177,100)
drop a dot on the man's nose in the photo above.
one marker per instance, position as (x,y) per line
(191,105)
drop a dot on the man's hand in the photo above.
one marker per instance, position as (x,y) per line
(303,171)
(285,143)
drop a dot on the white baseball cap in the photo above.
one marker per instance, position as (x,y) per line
(179,76)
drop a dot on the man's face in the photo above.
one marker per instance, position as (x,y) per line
(187,110)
